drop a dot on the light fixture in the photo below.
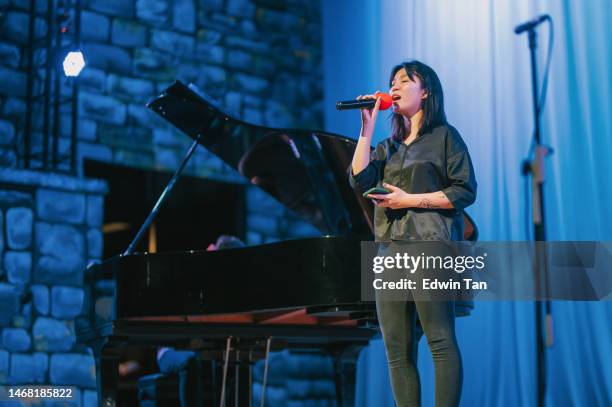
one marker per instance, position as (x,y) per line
(73,63)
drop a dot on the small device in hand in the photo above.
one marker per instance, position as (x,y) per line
(376,190)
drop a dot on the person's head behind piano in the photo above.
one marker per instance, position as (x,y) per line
(225,242)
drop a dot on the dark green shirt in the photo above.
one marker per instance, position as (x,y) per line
(435,161)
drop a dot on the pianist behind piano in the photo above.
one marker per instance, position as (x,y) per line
(427,168)
(183,362)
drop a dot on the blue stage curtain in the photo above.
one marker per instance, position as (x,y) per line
(484,69)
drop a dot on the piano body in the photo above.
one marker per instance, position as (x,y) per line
(242,303)
(298,294)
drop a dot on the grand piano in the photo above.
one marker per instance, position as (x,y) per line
(240,304)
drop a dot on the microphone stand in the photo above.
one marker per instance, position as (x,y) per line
(536,169)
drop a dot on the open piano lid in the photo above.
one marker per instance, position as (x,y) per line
(303,169)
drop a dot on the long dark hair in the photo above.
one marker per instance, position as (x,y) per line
(432,105)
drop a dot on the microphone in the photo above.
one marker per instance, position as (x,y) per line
(385,103)
(531,24)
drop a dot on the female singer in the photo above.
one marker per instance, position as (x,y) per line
(427,168)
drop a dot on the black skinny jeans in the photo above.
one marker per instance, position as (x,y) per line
(401,336)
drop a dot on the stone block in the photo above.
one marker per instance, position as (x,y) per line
(260,202)
(132,88)
(86,129)
(90,398)
(130,137)
(94,26)
(128,33)
(140,159)
(9,55)
(66,302)
(213,54)
(219,21)
(13,198)
(1,236)
(216,5)
(104,109)
(95,210)
(297,228)
(253,116)
(278,21)
(16,86)
(278,115)
(15,26)
(9,303)
(184,16)
(241,8)
(207,36)
(14,109)
(265,225)
(253,238)
(119,8)
(173,43)
(23,369)
(51,335)
(41,366)
(92,79)
(61,254)
(238,59)
(253,101)
(18,266)
(60,206)
(95,243)
(40,294)
(93,152)
(214,77)
(249,83)
(166,159)
(8,158)
(5,358)
(108,57)
(7,132)
(73,369)
(16,340)
(248,28)
(140,116)
(153,65)
(154,12)
(165,137)
(233,103)
(23,319)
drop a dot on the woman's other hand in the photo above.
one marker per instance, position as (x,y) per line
(396,199)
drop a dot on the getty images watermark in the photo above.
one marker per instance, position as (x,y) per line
(439,271)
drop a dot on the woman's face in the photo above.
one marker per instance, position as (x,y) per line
(407,94)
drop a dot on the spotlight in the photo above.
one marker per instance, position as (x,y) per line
(73,63)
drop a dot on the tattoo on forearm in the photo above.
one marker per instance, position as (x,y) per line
(427,203)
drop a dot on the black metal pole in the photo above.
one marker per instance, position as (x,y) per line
(162,197)
(75,93)
(57,91)
(540,266)
(49,73)
(27,132)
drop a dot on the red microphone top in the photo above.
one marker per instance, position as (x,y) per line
(385,100)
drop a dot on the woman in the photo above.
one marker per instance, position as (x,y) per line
(427,168)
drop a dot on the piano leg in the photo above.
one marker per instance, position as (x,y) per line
(345,375)
(107,372)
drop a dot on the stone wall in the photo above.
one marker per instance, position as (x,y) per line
(259,59)
(49,232)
